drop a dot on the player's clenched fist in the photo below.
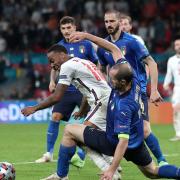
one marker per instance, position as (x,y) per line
(28,110)
(77,36)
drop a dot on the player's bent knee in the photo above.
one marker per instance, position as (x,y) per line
(57,116)
(147,129)
(67,129)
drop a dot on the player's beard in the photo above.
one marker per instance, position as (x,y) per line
(116,29)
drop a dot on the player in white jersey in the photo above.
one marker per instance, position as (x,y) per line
(85,76)
(173,72)
(126,26)
(89,81)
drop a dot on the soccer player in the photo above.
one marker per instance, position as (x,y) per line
(137,55)
(124,132)
(126,26)
(72,97)
(173,72)
(85,76)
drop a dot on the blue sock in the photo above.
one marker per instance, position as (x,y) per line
(81,153)
(65,155)
(169,171)
(153,144)
(52,135)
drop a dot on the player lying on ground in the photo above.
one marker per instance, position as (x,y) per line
(124,132)
(138,56)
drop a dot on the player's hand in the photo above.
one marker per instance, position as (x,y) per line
(78,115)
(77,36)
(107,175)
(28,110)
(52,86)
(155,98)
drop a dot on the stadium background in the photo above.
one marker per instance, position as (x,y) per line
(28,28)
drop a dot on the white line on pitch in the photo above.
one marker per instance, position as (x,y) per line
(33,162)
(171,155)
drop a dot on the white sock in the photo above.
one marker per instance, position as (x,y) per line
(101,163)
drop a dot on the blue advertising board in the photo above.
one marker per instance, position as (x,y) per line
(10,112)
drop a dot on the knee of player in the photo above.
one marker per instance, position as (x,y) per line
(147,130)
(57,116)
(68,129)
(153,174)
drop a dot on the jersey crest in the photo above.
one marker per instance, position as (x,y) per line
(82,49)
(123,50)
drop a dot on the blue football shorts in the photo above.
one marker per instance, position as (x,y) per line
(97,140)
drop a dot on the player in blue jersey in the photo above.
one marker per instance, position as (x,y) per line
(138,56)
(124,136)
(72,97)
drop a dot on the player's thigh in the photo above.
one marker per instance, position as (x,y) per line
(75,131)
(65,106)
(139,156)
(96,139)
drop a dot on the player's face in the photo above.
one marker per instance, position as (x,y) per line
(177,46)
(56,59)
(67,30)
(111,23)
(118,85)
(125,25)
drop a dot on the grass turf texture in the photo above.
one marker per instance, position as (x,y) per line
(26,143)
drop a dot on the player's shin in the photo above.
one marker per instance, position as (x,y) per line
(153,144)
(177,123)
(52,135)
(65,155)
(169,171)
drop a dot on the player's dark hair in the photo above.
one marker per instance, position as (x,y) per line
(177,37)
(124,16)
(67,20)
(117,13)
(57,48)
(124,71)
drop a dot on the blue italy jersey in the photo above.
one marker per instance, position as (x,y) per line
(124,116)
(134,53)
(82,49)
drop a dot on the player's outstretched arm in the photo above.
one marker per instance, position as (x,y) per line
(116,52)
(155,97)
(49,101)
(118,155)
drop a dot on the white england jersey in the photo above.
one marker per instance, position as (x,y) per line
(173,71)
(85,76)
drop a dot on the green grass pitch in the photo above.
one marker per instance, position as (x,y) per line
(20,144)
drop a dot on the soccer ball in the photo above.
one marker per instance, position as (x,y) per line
(7,171)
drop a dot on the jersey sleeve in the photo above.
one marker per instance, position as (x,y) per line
(92,55)
(66,74)
(139,49)
(100,53)
(169,74)
(123,118)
